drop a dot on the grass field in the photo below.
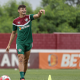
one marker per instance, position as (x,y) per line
(40,74)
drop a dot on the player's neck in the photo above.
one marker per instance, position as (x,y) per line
(21,16)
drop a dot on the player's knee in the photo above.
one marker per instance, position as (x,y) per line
(21,58)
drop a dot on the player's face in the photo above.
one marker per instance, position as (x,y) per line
(22,11)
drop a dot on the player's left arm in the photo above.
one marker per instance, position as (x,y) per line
(35,16)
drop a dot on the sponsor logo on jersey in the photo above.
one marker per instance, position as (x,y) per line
(52,60)
(23,27)
(19,50)
(26,19)
(19,28)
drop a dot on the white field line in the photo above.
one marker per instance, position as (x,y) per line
(45,51)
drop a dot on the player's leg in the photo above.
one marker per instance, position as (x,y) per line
(26,57)
(21,64)
(20,50)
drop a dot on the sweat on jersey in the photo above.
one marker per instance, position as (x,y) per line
(23,27)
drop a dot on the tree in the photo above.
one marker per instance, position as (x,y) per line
(57,14)
(9,12)
(73,2)
(12,8)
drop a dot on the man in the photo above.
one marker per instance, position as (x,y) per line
(22,25)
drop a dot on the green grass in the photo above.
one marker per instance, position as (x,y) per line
(40,74)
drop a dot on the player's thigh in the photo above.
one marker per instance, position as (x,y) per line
(20,48)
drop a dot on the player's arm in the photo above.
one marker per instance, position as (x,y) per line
(13,34)
(35,16)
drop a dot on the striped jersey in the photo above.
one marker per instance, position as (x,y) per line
(23,27)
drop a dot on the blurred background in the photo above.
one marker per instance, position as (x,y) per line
(56,39)
(61,15)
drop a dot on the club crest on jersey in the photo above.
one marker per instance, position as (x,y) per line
(26,19)
(19,50)
(19,22)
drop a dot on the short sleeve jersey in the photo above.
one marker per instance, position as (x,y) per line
(23,27)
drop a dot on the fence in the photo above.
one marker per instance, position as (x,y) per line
(49,51)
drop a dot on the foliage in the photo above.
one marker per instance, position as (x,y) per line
(59,16)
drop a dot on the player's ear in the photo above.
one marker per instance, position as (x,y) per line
(18,10)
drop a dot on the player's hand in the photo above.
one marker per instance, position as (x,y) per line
(42,10)
(7,49)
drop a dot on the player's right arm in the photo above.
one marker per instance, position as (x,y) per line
(13,34)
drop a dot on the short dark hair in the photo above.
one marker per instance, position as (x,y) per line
(21,6)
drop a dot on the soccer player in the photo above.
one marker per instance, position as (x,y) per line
(22,25)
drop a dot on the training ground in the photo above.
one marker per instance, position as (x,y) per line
(40,74)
